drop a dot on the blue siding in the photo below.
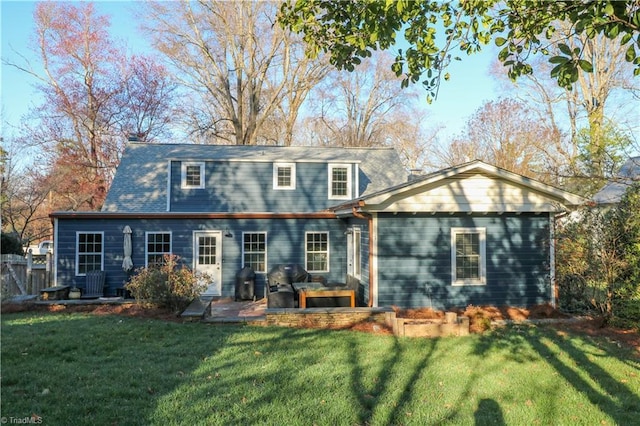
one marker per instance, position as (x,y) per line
(285,244)
(233,186)
(414,261)
(414,254)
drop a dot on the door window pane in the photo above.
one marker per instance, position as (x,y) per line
(207,250)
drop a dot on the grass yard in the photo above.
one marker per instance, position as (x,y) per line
(98,370)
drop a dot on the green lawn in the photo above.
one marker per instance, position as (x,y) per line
(85,369)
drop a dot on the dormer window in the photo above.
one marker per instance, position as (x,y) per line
(284,176)
(339,181)
(192,176)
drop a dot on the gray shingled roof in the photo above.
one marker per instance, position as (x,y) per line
(613,191)
(566,198)
(140,183)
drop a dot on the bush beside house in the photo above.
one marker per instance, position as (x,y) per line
(599,261)
(171,285)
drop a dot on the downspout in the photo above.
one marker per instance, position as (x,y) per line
(169,186)
(359,215)
(54,258)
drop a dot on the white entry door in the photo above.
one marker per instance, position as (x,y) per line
(207,253)
(354,250)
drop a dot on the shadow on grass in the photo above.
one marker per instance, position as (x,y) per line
(261,374)
(301,376)
(135,371)
(488,413)
(369,398)
(87,369)
(571,362)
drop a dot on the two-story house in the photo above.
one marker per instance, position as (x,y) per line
(469,234)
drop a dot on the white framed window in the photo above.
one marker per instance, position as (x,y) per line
(284,175)
(354,252)
(316,251)
(339,181)
(157,245)
(468,256)
(89,252)
(192,175)
(254,251)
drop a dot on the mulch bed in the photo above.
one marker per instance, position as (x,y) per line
(481,317)
(126,309)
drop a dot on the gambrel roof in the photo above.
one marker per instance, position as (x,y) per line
(141,180)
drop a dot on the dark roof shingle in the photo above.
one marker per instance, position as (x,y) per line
(140,183)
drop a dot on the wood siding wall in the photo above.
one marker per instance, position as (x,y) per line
(414,260)
(248,187)
(471,193)
(285,244)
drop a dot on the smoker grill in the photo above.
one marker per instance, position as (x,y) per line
(245,284)
(280,281)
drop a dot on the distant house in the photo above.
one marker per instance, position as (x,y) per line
(472,234)
(613,191)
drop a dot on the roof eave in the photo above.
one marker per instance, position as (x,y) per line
(567,199)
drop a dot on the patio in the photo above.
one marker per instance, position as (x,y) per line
(228,310)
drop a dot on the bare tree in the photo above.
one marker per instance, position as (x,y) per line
(147,107)
(94,97)
(24,198)
(507,134)
(415,141)
(610,73)
(241,67)
(361,107)
(300,77)
(599,101)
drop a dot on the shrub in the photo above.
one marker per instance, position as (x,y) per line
(10,244)
(627,309)
(598,259)
(171,285)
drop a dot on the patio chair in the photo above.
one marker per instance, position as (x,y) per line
(95,285)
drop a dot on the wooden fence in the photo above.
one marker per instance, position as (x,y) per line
(26,275)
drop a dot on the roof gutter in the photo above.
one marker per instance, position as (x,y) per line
(192,215)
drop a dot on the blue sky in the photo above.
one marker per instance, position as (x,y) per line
(470,85)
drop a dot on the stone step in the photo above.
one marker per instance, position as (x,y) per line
(198,308)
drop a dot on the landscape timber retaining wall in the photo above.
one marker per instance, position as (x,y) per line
(329,317)
(450,325)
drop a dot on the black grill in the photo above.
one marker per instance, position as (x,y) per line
(245,284)
(280,281)
(286,275)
